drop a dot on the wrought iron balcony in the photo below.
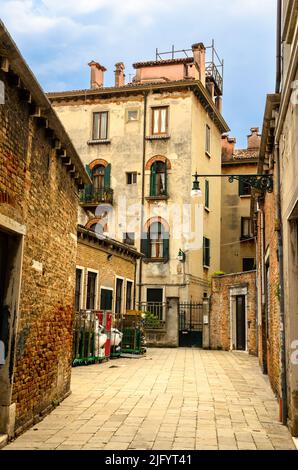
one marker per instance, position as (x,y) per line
(158,310)
(92,197)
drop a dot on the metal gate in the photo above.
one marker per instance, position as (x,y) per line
(190,325)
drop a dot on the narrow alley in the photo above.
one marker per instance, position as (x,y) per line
(169,399)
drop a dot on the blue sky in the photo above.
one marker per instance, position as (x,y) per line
(59,37)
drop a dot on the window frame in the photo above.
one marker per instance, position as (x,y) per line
(107,289)
(208,140)
(82,286)
(131,282)
(98,138)
(154,109)
(207,195)
(206,263)
(119,278)
(241,186)
(243,259)
(132,174)
(250,234)
(132,110)
(92,271)
(155,180)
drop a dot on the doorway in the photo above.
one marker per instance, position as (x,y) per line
(11,244)
(240,323)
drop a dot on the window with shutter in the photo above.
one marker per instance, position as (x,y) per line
(157,242)
(158,179)
(206,252)
(107,177)
(244,188)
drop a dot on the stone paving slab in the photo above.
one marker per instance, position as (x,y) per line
(171,399)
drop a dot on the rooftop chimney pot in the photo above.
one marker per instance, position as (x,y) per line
(254,139)
(97,75)
(119,74)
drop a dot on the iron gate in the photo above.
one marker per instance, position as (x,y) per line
(190,324)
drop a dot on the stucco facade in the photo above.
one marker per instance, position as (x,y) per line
(132,147)
(237,238)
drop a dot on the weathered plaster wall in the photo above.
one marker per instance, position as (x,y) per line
(43,199)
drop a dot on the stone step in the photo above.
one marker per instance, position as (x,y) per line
(3,440)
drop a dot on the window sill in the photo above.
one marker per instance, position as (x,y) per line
(156,260)
(206,267)
(208,154)
(207,210)
(158,137)
(99,142)
(245,196)
(157,198)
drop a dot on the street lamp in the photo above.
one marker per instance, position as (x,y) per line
(181,256)
(260,182)
(196,190)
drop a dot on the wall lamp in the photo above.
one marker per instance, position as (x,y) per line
(260,182)
(181,256)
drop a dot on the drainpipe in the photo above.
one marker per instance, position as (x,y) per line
(263,294)
(278,47)
(283,373)
(143,192)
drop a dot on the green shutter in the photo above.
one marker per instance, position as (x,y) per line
(166,179)
(107,177)
(166,246)
(153,180)
(145,245)
(241,187)
(88,187)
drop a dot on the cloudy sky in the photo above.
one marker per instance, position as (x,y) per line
(59,37)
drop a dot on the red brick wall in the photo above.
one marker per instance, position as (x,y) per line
(269,341)
(42,197)
(220,311)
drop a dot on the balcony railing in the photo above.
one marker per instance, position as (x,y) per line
(212,73)
(90,196)
(158,309)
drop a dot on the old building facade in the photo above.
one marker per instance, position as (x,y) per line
(105,274)
(238,249)
(277,217)
(142,142)
(40,176)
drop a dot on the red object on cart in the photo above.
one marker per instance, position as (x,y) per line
(106,320)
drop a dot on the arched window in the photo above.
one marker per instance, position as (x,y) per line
(98,178)
(155,242)
(158,179)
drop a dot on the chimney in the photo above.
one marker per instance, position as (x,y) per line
(97,75)
(254,139)
(199,53)
(227,148)
(119,74)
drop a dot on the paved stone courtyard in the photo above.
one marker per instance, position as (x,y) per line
(171,399)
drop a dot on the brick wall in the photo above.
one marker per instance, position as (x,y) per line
(42,196)
(220,310)
(269,323)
